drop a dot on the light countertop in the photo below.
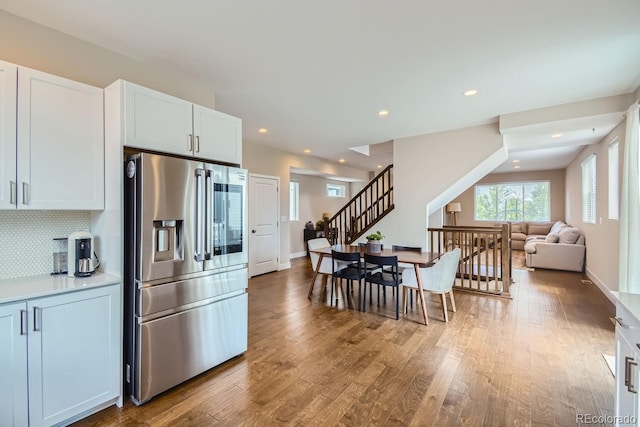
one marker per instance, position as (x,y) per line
(23,288)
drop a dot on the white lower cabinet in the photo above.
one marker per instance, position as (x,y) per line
(67,349)
(14,410)
(627,369)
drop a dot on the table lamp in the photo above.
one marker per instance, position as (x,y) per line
(454,208)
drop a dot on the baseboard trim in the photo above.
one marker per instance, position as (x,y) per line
(298,254)
(284,266)
(603,288)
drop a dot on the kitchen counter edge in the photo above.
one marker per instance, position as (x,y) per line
(24,288)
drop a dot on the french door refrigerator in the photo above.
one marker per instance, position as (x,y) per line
(185,270)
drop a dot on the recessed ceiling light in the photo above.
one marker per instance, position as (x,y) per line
(341,160)
(516,167)
(516,161)
(383,113)
(263,130)
(307,151)
(556,135)
(379,166)
(470,92)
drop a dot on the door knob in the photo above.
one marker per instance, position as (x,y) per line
(253,231)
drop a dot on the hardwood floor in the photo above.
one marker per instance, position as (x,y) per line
(533,360)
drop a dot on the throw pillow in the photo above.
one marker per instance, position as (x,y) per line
(559,225)
(552,238)
(568,235)
(516,228)
(541,229)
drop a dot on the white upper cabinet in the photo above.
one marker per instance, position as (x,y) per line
(159,122)
(60,143)
(218,135)
(8,80)
(156,121)
(51,142)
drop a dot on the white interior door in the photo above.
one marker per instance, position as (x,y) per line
(264,236)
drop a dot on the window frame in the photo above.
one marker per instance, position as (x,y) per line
(294,201)
(341,190)
(512,183)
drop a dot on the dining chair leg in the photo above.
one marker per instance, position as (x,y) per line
(397,294)
(364,296)
(444,306)
(333,286)
(404,300)
(453,301)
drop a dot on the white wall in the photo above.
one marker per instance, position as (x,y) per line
(35,46)
(434,169)
(313,203)
(602,238)
(266,160)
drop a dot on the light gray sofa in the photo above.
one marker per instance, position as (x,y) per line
(521,232)
(562,248)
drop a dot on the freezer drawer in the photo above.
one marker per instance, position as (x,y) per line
(173,295)
(178,347)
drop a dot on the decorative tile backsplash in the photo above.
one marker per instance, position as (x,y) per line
(26,239)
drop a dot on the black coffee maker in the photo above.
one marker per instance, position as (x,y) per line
(81,262)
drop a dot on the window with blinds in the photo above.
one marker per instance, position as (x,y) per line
(294,201)
(589,190)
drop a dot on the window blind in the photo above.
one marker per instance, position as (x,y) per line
(589,190)
(614,179)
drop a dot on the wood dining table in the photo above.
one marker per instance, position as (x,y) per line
(417,259)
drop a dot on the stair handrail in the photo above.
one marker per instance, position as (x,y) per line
(333,230)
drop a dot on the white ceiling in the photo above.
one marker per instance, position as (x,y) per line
(316,73)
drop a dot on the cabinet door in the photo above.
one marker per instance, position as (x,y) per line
(218,135)
(14,409)
(74,353)
(8,81)
(157,121)
(60,143)
(627,377)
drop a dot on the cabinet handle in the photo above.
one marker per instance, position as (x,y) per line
(23,322)
(36,328)
(628,375)
(618,320)
(197,144)
(190,142)
(13,191)
(26,193)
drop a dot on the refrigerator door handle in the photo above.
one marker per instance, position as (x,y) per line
(208,217)
(199,251)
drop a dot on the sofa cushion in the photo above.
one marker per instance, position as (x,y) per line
(552,238)
(517,228)
(540,229)
(580,240)
(518,236)
(530,247)
(532,237)
(568,235)
(559,225)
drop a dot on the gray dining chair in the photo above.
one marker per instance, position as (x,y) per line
(437,279)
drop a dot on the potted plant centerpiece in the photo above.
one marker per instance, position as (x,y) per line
(374,242)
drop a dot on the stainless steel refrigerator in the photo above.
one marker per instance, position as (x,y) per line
(185,270)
